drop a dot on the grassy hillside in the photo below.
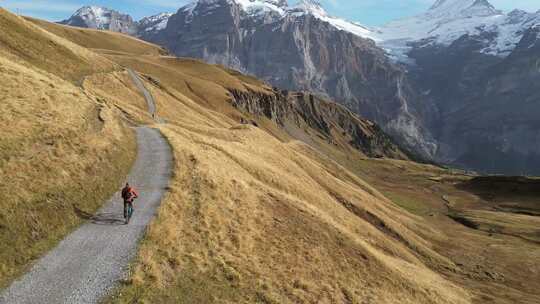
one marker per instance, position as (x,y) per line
(260,214)
(100,41)
(61,151)
(250,219)
(32,46)
(250,207)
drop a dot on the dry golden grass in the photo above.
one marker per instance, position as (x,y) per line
(498,266)
(170,73)
(117,89)
(37,48)
(60,151)
(98,40)
(244,205)
(270,222)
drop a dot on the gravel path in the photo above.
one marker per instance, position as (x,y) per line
(88,263)
(147,95)
(149,98)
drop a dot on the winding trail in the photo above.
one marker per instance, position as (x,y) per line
(88,263)
(149,98)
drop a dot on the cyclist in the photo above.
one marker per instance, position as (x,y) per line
(129,195)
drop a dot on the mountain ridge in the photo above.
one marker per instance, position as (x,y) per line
(392,75)
(445,11)
(103,18)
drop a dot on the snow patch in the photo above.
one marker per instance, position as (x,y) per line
(448,20)
(155,23)
(314,8)
(280,8)
(99,15)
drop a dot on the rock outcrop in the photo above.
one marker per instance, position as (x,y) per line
(293,111)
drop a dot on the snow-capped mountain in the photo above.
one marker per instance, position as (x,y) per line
(476,65)
(278,9)
(451,9)
(155,23)
(151,26)
(103,19)
(445,22)
(448,20)
(314,8)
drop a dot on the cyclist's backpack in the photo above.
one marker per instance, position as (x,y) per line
(126,193)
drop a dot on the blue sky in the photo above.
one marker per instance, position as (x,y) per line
(369,12)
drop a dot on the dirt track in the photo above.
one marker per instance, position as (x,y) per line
(89,262)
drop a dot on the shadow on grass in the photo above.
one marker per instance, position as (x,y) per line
(491,187)
(111,219)
(514,194)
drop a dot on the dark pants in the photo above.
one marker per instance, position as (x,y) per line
(126,204)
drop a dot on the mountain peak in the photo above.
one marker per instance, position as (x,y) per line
(94,16)
(102,18)
(462,8)
(278,3)
(154,23)
(463,4)
(92,9)
(313,7)
(251,7)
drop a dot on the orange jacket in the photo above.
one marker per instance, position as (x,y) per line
(129,194)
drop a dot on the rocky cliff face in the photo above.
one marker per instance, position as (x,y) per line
(300,48)
(488,101)
(508,112)
(102,18)
(293,111)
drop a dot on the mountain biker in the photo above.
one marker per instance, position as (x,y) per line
(129,195)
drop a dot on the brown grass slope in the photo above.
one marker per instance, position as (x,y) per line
(61,151)
(252,219)
(37,48)
(498,264)
(100,41)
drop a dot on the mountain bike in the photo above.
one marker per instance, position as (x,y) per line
(129,211)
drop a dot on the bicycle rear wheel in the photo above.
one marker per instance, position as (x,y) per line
(129,213)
